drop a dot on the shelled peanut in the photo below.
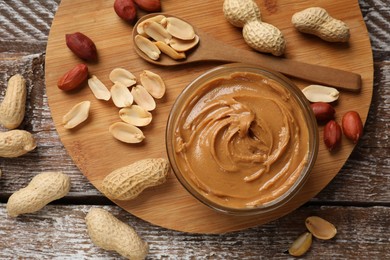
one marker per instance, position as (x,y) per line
(73,78)
(317,227)
(259,35)
(76,115)
(144,93)
(351,125)
(82,46)
(127,9)
(169,35)
(124,93)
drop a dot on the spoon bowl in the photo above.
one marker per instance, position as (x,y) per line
(211,49)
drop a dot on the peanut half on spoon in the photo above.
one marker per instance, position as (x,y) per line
(161,34)
(169,47)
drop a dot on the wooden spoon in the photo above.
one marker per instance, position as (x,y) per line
(210,49)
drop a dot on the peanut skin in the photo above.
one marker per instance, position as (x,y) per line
(109,233)
(42,189)
(352,126)
(15,143)
(12,108)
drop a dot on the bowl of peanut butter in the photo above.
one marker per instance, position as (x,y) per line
(242,139)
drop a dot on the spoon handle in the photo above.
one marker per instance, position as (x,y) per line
(315,73)
(319,74)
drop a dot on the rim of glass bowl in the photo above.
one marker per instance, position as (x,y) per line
(226,70)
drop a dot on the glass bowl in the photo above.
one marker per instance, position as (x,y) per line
(242,139)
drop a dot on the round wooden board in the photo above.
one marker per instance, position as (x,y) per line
(97,153)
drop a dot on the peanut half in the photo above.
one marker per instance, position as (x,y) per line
(301,244)
(153,83)
(156,31)
(15,143)
(109,233)
(180,29)
(168,50)
(147,47)
(135,115)
(76,115)
(319,93)
(42,189)
(121,96)
(320,228)
(183,45)
(13,107)
(126,133)
(128,182)
(143,98)
(123,76)
(98,89)
(158,18)
(170,35)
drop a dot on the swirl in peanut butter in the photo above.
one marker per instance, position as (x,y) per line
(242,140)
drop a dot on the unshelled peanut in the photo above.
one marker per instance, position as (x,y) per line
(317,21)
(128,182)
(259,35)
(15,143)
(109,233)
(42,189)
(12,108)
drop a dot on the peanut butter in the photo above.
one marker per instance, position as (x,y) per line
(241,140)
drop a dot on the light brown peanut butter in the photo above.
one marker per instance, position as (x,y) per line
(242,140)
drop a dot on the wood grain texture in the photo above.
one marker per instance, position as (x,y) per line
(53,239)
(363,181)
(90,145)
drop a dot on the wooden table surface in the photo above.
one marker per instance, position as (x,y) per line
(357,201)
